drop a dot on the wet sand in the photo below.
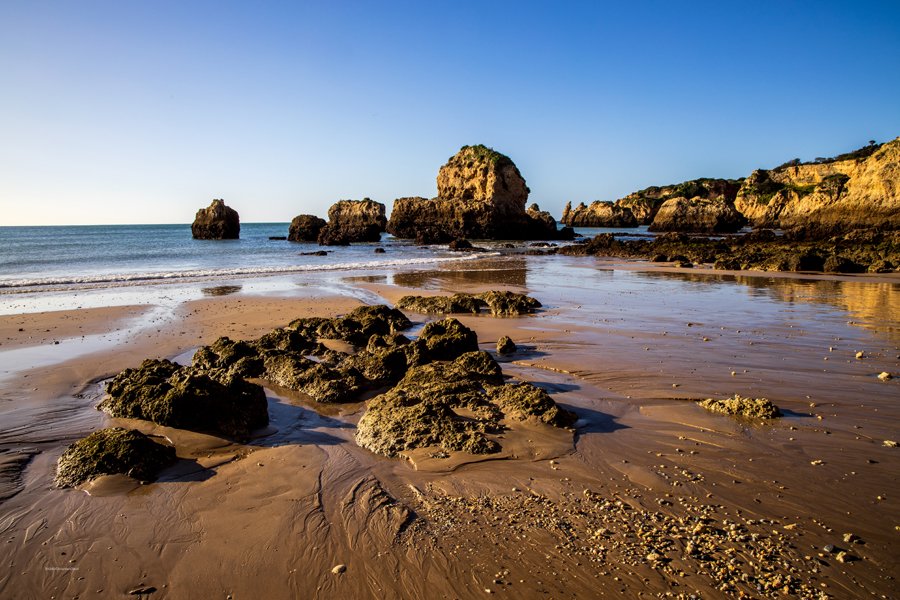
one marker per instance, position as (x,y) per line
(650,495)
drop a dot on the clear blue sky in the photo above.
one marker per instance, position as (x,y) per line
(142,112)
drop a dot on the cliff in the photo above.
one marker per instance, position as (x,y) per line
(353,221)
(598,214)
(827,197)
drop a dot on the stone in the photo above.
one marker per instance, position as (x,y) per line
(352,221)
(447,339)
(756,408)
(481,195)
(168,394)
(599,214)
(697,215)
(339,569)
(508,304)
(455,304)
(112,451)
(523,401)
(305,228)
(216,222)
(505,345)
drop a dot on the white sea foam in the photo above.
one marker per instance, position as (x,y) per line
(12,286)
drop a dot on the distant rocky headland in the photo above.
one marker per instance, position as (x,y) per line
(837,214)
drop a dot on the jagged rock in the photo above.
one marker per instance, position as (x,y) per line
(645,203)
(499,303)
(697,215)
(481,195)
(421,410)
(521,401)
(353,221)
(598,214)
(854,191)
(506,304)
(216,222)
(237,358)
(755,408)
(455,304)
(112,451)
(168,394)
(505,345)
(447,339)
(318,381)
(305,228)
(542,226)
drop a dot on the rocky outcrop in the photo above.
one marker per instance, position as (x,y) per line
(353,221)
(168,394)
(481,195)
(644,204)
(697,215)
(499,303)
(828,197)
(112,451)
(598,214)
(305,228)
(216,222)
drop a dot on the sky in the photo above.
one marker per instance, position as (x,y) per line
(143,112)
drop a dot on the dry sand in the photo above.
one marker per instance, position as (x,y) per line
(650,496)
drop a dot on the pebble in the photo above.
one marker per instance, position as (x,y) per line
(860,354)
(338,569)
(850,538)
(890,443)
(884,376)
(817,462)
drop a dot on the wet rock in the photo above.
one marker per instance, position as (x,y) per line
(840,264)
(385,359)
(380,251)
(523,401)
(305,228)
(168,394)
(112,451)
(507,304)
(216,222)
(356,327)
(321,382)
(455,304)
(505,345)
(447,339)
(756,408)
(238,358)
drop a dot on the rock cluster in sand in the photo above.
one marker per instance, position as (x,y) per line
(499,304)
(112,451)
(216,222)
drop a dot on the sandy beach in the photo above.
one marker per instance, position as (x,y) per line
(649,496)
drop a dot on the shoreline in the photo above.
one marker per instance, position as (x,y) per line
(305,498)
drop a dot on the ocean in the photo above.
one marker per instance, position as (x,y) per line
(34,259)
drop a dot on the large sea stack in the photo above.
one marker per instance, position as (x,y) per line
(353,221)
(598,214)
(216,222)
(481,195)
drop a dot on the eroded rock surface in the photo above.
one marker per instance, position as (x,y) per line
(697,215)
(353,221)
(112,451)
(169,394)
(754,408)
(305,228)
(499,303)
(598,214)
(216,222)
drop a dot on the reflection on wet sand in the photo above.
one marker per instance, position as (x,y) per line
(873,305)
(221,290)
(510,271)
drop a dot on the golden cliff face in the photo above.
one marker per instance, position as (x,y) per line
(480,174)
(829,197)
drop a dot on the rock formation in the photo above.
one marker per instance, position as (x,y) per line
(305,228)
(598,214)
(216,222)
(501,304)
(112,451)
(697,215)
(353,221)
(481,195)
(754,408)
(644,204)
(855,191)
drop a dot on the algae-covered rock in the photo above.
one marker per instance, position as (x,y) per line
(321,382)
(521,401)
(754,408)
(168,394)
(236,357)
(447,339)
(357,326)
(505,345)
(499,303)
(455,304)
(505,304)
(112,451)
